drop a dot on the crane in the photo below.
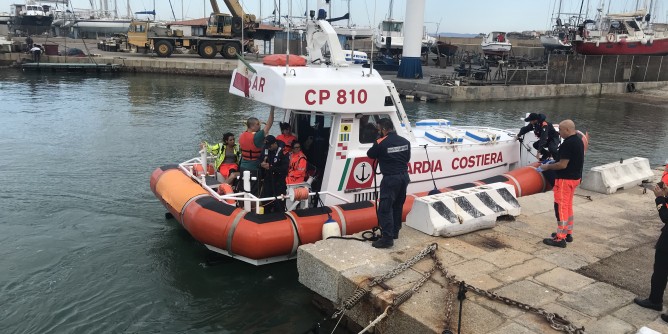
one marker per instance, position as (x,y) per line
(239,18)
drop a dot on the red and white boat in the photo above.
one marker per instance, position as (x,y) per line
(496,44)
(334,105)
(621,34)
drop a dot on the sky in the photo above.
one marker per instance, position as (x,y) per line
(479,16)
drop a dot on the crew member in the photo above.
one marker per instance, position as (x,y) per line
(274,164)
(250,143)
(36,51)
(227,157)
(29,42)
(568,173)
(286,136)
(393,153)
(548,138)
(298,164)
(660,275)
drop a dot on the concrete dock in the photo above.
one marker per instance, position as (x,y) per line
(421,89)
(591,282)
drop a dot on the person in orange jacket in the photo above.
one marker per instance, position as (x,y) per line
(298,163)
(286,137)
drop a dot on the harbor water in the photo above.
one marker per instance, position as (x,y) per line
(86,247)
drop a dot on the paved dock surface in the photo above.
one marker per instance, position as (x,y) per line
(592,282)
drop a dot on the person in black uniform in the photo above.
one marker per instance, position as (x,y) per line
(393,153)
(548,137)
(660,275)
(275,167)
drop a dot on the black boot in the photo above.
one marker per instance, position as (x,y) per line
(384,242)
(553,242)
(646,303)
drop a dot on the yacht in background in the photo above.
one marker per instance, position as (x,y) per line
(621,34)
(390,36)
(31,18)
(104,20)
(496,44)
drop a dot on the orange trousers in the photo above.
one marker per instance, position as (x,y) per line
(564,190)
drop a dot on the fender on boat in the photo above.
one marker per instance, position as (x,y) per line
(175,189)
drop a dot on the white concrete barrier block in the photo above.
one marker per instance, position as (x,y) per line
(609,178)
(463,211)
(647,330)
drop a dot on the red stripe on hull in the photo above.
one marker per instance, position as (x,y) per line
(658,47)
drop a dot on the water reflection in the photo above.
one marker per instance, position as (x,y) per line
(77,154)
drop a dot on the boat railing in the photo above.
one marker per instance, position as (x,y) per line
(250,201)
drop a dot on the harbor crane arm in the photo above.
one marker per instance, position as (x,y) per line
(234,6)
(214,7)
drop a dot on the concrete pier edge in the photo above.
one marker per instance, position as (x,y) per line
(511,260)
(419,88)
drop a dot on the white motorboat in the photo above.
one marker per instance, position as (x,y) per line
(496,44)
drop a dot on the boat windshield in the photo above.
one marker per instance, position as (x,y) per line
(368,131)
(393,26)
(633,25)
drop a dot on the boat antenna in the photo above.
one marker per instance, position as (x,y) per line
(373,44)
(287,44)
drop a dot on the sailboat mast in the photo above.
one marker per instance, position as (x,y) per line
(348,13)
(389,14)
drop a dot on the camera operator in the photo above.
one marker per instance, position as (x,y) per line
(660,275)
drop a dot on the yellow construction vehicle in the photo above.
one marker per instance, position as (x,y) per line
(224,34)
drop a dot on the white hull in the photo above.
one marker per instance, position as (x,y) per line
(102,26)
(553,42)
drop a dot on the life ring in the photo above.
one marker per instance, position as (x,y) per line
(630,87)
(226,189)
(611,37)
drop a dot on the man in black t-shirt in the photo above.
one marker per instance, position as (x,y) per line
(568,170)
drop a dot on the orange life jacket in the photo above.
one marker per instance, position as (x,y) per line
(288,142)
(249,151)
(297,169)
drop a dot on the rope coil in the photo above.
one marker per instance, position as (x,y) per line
(299,194)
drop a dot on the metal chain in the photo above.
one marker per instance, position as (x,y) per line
(360,292)
(449,301)
(404,266)
(556,321)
